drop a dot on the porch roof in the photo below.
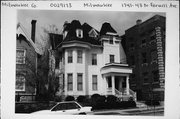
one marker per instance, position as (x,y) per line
(116,68)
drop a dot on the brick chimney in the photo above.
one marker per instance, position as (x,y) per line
(33,30)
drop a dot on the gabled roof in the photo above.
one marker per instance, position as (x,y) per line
(106,27)
(23,35)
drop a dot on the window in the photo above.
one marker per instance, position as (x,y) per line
(20,56)
(111,40)
(145,77)
(143,41)
(61,106)
(70,56)
(93,33)
(153,56)
(111,58)
(72,106)
(132,59)
(131,47)
(153,37)
(144,58)
(155,75)
(132,79)
(94,59)
(79,81)
(79,33)
(79,56)
(94,82)
(20,83)
(70,82)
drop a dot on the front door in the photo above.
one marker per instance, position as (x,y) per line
(117,82)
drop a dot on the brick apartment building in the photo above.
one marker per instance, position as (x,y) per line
(144,44)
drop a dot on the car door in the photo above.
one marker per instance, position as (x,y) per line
(73,108)
(59,108)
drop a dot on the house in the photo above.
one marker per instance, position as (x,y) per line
(91,62)
(145,49)
(26,64)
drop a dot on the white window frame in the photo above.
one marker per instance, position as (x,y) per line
(79,33)
(80,81)
(94,82)
(94,59)
(111,58)
(79,56)
(69,82)
(69,55)
(20,58)
(23,80)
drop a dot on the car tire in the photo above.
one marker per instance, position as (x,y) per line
(82,113)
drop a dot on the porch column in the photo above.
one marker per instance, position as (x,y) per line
(113,84)
(127,85)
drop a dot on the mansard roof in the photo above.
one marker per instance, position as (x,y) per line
(86,29)
(106,27)
(71,35)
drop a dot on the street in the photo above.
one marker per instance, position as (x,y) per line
(159,111)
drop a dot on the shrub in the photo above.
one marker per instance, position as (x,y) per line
(95,96)
(81,98)
(69,98)
(58,99)
(32,107)
(99,103)
(111,98)
(130,99)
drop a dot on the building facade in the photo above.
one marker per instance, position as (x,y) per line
(26,64)
(92,62)
(145,49)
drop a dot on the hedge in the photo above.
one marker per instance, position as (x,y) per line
(32,106)
(69,98)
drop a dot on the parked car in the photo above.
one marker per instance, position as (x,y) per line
(67,107)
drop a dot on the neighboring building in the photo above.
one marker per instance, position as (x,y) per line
(91,62)
(145,49)
(26,64)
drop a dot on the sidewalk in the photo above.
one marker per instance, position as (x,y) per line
(132,111)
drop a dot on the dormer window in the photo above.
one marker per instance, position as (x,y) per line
(93,33)
(79,33)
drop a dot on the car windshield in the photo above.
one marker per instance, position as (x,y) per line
(81,104)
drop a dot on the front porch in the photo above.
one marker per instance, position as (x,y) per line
(116,77)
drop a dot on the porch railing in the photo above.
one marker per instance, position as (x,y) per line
(133,94)
(122,93)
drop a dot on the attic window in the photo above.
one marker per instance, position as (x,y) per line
(79,33)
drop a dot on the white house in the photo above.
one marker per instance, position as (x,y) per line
(93,62)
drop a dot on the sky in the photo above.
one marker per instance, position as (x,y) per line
(120,21)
